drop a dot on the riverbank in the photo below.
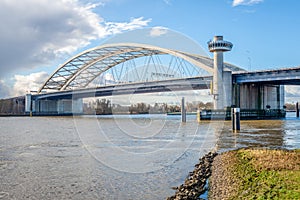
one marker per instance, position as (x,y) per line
(196,182)
(244,174)
(256,174)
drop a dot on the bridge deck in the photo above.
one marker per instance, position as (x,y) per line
(287,76)
(132,88)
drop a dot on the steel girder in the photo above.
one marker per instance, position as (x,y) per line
(83,68)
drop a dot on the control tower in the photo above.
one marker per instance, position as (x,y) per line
(218,46)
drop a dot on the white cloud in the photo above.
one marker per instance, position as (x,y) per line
(292,91)
(158,31)
(26,83)
(115,27)
(35,33)
(22,84)
(245,2)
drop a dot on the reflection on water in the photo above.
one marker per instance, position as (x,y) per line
(262,133)
(118,157)
(291,131)
(139,145)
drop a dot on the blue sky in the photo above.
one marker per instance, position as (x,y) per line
(37,35)
(265,31)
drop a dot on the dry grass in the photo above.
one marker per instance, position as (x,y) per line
(256,174)
(275,159)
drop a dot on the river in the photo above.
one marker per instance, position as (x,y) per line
(119,156)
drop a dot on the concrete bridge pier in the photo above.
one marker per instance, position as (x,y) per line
(77,106)
(258,96)
(227,89)
(53,106)
(28,105)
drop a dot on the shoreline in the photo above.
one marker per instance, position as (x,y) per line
(244,173)
(196,182)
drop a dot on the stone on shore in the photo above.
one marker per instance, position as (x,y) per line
(195,184)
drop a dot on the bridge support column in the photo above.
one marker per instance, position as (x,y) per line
(77,106)
(64,106)
(70,106)
(218,81)
(227,89)
(28,105)
(272,97)
(220,88)
(258,96)
(55,107)
(44,107)
(250,96)
(281,96)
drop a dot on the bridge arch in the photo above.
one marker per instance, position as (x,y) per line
(83,68)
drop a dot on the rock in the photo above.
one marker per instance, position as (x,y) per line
(194,185)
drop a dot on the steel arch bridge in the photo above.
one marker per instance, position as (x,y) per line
(82,69)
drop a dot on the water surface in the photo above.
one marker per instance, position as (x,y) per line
(118,157)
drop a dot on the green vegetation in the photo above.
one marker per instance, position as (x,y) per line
(267,174)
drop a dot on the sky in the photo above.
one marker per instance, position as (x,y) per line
(38,35)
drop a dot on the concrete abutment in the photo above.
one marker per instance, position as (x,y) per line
(53,106)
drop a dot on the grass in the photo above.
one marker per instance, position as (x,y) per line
(267,174)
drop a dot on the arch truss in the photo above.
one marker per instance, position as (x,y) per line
(81,70)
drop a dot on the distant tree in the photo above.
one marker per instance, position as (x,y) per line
(290,106)
(88,108)
(103,107)
(143,108)
(174,108)
(139,108)
(209,105)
